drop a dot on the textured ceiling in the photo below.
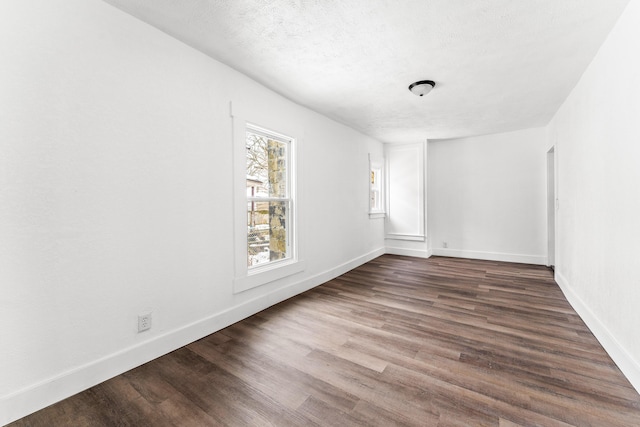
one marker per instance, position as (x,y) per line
(499,65)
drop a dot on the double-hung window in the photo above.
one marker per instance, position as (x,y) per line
(269,198)
(376,187)
(266,212)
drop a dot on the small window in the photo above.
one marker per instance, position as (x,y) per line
(269,197)
(376,188)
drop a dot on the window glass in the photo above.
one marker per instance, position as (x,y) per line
(268,198)
(376,187)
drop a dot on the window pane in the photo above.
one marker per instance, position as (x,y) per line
(266,166)
(267,232)
(375,189)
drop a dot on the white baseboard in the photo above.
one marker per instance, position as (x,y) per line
(418,253)
(35,397)
(629,366)
(491,256)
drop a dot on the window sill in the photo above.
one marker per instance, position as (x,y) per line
(373,215)
(267,274)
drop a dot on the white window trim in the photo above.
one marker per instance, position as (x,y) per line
(262,117)
(378,163)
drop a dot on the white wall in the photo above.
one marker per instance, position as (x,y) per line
(405,225)
(596,134)
(486,196)
(116,195)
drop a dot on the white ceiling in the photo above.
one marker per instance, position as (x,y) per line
(499,65)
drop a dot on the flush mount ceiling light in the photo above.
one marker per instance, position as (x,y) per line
(422,87)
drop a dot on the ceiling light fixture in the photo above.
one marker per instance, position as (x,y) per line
(422,87)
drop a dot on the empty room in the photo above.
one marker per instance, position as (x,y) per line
(319,213)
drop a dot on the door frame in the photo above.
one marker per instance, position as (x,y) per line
(551,208)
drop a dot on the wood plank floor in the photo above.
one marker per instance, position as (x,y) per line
(396,342)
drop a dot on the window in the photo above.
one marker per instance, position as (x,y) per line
(266,214)
(376,188)
(269,201)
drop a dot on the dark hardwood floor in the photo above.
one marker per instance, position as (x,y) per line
(396,342)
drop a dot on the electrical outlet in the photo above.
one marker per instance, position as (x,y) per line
(445,245)
(144,322)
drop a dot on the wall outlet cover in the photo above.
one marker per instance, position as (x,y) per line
(144,322)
